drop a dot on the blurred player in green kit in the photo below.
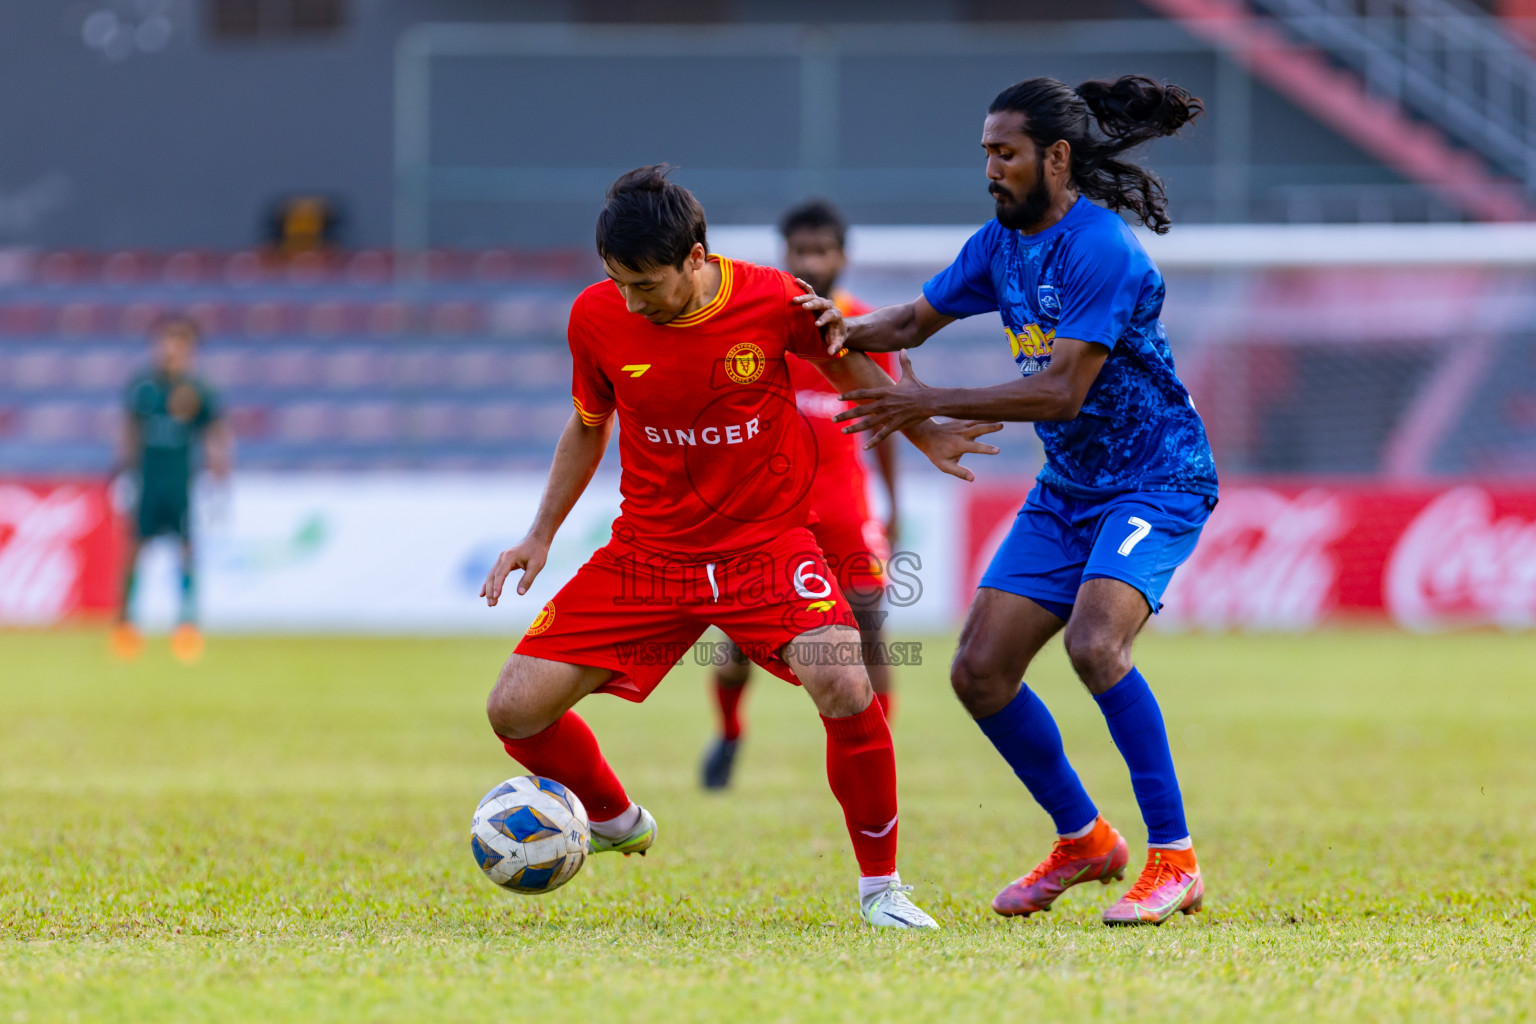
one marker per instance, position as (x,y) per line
(168,411)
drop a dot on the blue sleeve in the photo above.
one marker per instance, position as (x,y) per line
(964,288)
(1100,286)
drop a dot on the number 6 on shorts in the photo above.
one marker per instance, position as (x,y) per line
(1142,528)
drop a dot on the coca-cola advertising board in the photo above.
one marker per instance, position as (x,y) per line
(1275,555)
(1292,555)
(58,551)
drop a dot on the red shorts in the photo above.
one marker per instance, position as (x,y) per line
(857,551)
(638,612)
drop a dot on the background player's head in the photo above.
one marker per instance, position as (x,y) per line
(174,340)
(814,233)
(651,238)
(1040,141)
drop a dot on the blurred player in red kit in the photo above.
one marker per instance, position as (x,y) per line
(856,544)
(687,351)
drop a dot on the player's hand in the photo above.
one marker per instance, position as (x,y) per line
(944,443)
(529,555)
(829,319)
(887,410)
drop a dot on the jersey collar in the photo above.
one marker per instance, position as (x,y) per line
(1066,221)
(715,304)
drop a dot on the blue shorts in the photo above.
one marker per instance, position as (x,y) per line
(1058,541)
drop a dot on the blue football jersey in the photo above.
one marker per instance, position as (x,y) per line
(1087,277)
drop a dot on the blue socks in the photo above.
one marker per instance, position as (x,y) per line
(1136,725)
(188,592)
(1026,735)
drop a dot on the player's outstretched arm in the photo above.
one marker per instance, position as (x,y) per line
(944,443)
(1055,393)
(577,455)
(887,329)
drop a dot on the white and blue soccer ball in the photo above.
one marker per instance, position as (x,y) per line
(530,834)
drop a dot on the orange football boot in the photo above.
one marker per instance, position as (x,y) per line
(127,643)
(1169,884)
(187,643)
(1100,856)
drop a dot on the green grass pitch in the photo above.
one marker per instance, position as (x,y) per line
(280,833)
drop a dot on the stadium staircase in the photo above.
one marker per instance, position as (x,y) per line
(1434,88)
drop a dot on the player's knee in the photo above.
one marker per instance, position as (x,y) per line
(735,669)
(1098,656)
(509,715)
(844,691)
(976,681)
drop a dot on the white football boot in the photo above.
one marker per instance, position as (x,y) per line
(636,840)
(890,908)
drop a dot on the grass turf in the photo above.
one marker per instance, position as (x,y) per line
(280,834)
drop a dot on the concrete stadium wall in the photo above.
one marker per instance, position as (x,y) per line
(187,145)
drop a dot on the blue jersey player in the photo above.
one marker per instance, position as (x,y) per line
(1128,481)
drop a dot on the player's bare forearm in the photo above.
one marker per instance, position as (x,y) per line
(853,370)
(887,329)
(1055,393)
(1034,399)
(577,456)
(892,328)
(944,443)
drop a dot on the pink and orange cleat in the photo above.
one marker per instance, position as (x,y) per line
(127,643)
(1169,884)
(187,643)
(1100,856)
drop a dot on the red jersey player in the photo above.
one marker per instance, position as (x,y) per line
(687,351)
(856,545)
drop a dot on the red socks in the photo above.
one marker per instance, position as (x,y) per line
(729,700)
(887,704)
(568,753)
(861,766)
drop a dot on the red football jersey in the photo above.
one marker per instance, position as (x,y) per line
(841,489)
(714,455)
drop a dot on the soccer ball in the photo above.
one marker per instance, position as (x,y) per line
(530,834)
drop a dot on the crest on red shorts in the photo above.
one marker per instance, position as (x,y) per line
(543,620)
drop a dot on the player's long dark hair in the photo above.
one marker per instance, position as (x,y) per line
(648,221)
(1128,111)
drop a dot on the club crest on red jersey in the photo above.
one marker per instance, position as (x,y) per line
(745,362)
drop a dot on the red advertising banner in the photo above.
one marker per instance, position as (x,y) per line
(1293,555)
(59,549)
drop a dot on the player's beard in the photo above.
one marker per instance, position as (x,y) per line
(1019,216)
